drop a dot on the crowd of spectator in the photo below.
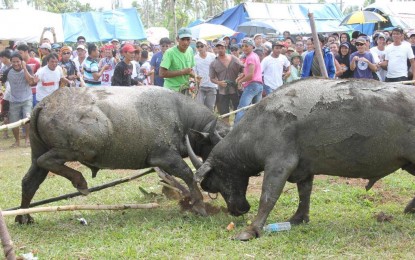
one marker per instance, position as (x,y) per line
(225,73)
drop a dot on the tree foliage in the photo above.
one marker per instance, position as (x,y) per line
(61,6)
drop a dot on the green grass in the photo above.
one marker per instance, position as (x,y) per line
(342,226)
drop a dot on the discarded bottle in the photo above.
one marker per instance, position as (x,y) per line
(275,227)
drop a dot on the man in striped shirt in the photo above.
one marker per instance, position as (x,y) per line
(92,73)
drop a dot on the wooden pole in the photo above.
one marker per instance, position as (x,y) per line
(317,47)
(6,240)
(407,82)
(79,207)
(140,173)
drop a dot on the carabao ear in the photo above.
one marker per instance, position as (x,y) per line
(199,137)
(202,171)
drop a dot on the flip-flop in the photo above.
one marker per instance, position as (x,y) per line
(14,145)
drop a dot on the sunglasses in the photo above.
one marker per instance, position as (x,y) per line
(66,53)
(359,44)
(199,46)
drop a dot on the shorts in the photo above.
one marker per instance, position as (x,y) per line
(20,108)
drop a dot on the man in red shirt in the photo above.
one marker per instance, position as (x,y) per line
(24,51)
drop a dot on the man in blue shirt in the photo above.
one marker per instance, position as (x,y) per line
(156,61)
(311,67)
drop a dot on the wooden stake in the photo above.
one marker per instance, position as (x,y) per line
(6,240)
(79,207)
(317,49)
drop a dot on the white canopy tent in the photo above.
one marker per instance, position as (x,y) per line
(27,25)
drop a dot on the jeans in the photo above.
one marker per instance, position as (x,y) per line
(267,90)
(252,94)
(207,97)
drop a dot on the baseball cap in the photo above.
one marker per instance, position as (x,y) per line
(202,41)
(184,32)
(115,40)
(128,48)
(220,43)
(81,47)
(249,41)
(290,49)
(45,45)
(383,36)
(256,35)
(361,40)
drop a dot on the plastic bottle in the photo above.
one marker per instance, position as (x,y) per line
(275,227)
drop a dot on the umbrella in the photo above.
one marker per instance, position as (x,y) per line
(361,17)
(255,26)
(210,31)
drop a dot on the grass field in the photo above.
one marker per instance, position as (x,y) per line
(343,223)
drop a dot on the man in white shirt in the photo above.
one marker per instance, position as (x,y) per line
(378,53)
(396,55)
(207,89)
(49,77)
(272,68)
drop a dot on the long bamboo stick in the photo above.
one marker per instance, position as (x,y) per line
(15,124)
(6,240)
(79,207)
(140,173)
(236,111)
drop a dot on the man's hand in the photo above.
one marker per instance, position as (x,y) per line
(222,84)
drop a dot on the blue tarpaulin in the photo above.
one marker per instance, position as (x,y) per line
(122,24)
(284,17)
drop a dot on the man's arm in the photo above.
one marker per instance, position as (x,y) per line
(98,74)
(247,77)
(164,73)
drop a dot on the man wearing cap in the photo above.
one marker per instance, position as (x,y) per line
(23,50)
(250,80)
(378,52)
(272,68)
(79,61)
(68,65)
(311,66)
(207,90)
(396,55)
(156,61)
(79,41)
(224,71)
(177,65)
(361,62)
(91,72)
(45,49)
(258,40)
(123,70)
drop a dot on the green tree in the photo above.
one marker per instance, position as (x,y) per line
(61,6)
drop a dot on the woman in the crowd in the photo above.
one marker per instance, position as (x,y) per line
(343,58)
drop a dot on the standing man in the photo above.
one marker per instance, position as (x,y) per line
(250,80)
(177,65)
(68,66)
(396,55)
(224,71)
(272,68)
(156,61)
(19,76)
(109,60)
(311,66)
(32,63)
(361,61)
(378,53)
(45,50)
(48,78)
(79,62)
(207,90)
(92,73)
(124,69)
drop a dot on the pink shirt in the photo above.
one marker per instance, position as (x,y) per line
(253,58)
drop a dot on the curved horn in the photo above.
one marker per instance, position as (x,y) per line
(202,171)
(193,158)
